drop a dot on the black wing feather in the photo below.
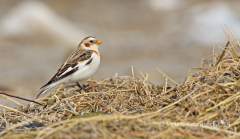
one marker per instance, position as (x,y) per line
(71,62)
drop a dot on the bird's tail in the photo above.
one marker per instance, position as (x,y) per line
(45,90)
(42,92)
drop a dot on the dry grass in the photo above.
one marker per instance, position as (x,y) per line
(205,105)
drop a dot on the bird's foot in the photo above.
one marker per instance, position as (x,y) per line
(83,87)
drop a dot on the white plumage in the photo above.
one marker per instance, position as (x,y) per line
(78,67)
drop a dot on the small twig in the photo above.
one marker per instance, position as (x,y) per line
(217,84)
(233,35)
(167,76)
(226,51)
(165,86)
(134,81)
(236,70)
(4,113)
(21,98)
(8,98)
(15,126)
(235,96)
(223,52)
(214,57)
(198,68)
(203,93)
(74,112)
(69,94)
(19,112)
(169,90)
(57,90)
(234,52)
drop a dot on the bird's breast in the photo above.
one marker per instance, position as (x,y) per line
(87,71)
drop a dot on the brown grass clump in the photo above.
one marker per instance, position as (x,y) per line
(205,105)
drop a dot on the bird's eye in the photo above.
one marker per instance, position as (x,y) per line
(91,41)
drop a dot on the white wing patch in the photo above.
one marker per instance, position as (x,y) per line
(69,69)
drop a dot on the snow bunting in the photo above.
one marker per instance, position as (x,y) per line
(79,66)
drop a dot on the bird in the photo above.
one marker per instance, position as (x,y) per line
(81,64)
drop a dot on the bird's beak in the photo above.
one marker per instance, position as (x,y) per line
(98,42)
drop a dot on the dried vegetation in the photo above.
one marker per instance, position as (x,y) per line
(205,105)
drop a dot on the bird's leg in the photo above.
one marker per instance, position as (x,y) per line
(84,87)
(80,87)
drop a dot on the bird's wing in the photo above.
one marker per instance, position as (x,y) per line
(78,59)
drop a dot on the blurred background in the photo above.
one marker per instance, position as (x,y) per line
(172,35)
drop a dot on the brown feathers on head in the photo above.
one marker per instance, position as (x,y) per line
(88,42)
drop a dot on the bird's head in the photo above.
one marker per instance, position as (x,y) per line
(90,43)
